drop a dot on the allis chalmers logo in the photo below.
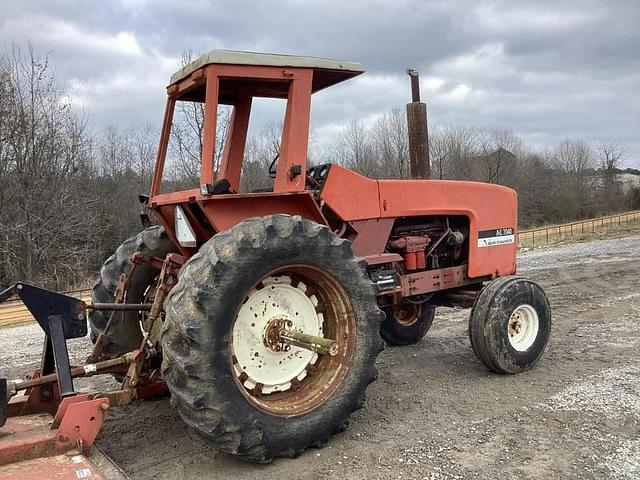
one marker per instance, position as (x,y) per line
(499,236)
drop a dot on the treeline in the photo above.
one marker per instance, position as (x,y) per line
(572,181)
(68,195)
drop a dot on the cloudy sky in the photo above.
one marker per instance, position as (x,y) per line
(545,69)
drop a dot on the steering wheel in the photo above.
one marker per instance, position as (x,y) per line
(272,172)
(272,167)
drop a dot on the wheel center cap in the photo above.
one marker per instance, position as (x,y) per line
(272,331)
(523,327)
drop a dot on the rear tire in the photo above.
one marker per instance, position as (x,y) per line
(204,365)
(510,324)
(407,323)
(125,333)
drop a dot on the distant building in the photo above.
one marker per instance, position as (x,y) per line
(497,156)
(628,181)
(493,167)
(624,181)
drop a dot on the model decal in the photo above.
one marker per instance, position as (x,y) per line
(498,236)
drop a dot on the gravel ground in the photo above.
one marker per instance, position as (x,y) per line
(579,253)
(435,412)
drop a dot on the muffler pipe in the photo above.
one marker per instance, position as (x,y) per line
(417,130)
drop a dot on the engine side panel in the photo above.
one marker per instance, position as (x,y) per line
(491,210)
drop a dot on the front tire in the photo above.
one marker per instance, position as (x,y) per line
(407,323)
(242,397)
(510,324)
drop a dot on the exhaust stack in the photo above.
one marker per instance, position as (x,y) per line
(417,130)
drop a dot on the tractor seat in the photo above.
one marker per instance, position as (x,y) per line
(219,187)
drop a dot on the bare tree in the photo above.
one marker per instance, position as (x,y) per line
(187,136)
(354,148)
(536,186)
(47,223)
(438,153)
(500,149)
(260,153)
(110,151)
(611,155)
(124,162)
(457,145)
(270,139)
(392,144)
(143,143)
(574,159)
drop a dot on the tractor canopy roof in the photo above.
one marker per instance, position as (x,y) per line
(326,72)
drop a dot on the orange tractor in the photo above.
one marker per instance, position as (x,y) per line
(263,313)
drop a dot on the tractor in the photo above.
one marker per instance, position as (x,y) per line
(262,313)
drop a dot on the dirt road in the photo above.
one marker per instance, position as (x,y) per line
(435,412)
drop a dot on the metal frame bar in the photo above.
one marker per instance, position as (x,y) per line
(61,355)
(290,174)
(4,398)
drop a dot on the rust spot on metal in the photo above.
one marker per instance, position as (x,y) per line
(257,390)
(295,384)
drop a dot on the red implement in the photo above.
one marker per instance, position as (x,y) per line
(60,467)
(37,441)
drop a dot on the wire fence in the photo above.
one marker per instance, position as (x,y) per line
(554,233)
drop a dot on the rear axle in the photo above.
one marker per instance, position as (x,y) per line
(320,345)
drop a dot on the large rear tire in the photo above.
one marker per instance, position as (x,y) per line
(125,333)
(225,382)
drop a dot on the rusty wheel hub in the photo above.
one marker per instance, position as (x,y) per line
(292,340)
(406,314)
(272,335)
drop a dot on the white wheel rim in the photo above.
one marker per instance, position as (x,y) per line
(523,327)
(255,362)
